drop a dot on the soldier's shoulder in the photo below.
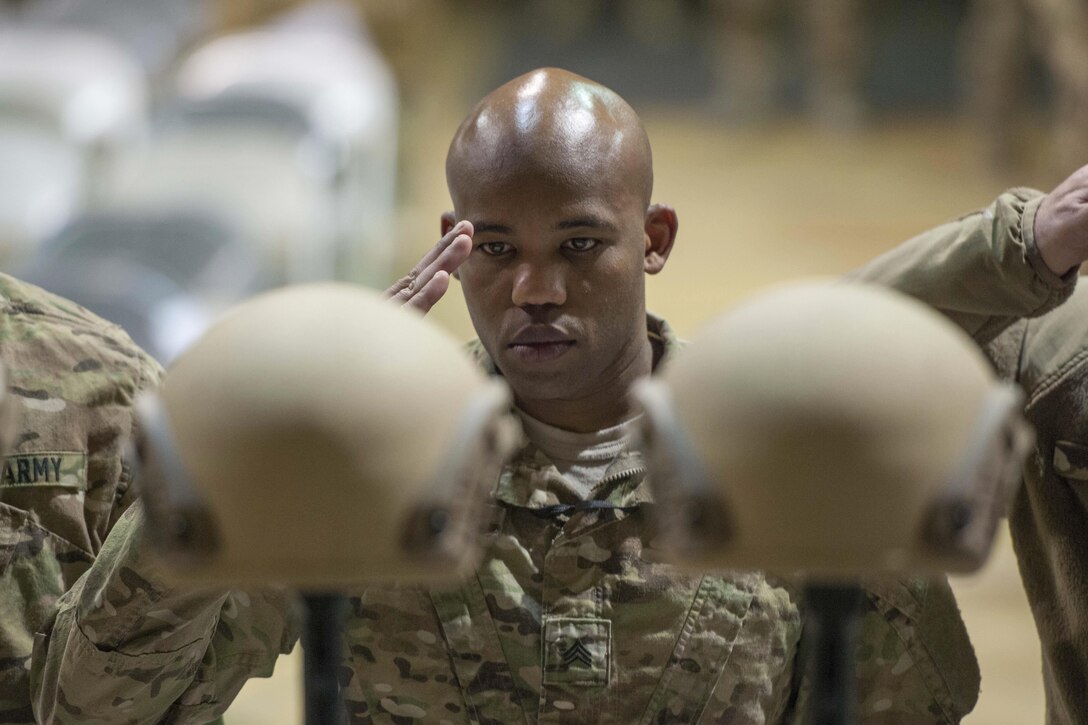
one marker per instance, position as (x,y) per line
(41,331)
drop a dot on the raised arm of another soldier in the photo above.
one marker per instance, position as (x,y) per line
(127,645)
(1016,258)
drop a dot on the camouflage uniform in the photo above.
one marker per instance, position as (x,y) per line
(125,646)
(985,285)
(73,377)
(572,617)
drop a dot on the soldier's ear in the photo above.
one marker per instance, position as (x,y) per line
(660,233)
(448,221)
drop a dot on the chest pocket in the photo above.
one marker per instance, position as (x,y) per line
(703,652)
(1071,463)
(36,567)
(477,656)
(34,562)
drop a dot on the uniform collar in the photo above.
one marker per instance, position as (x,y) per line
(528,479)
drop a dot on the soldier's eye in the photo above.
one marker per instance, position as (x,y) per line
(494,249)
(580,244)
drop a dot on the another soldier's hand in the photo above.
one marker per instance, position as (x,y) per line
(429,280)
(1061,224)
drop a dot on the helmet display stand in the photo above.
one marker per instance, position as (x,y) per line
(322,383)
(830,433)
(322,641)
(831,617)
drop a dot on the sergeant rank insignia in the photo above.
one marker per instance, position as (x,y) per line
(577,650)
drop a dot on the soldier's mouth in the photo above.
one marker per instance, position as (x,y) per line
(537,352)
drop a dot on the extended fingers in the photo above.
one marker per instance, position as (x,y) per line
(427,295)
(438,248)
(449,260)
(405,287)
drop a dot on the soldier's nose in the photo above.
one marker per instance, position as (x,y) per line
(538,287)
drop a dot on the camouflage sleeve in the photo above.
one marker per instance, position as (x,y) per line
(72,378)
(983,271)
(126,647)
(915,663)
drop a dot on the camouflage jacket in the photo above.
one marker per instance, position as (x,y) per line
(576,619)
(985,287)
(72,377)
(570,618)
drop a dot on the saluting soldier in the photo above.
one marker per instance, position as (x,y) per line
(572,616)
(1024,266)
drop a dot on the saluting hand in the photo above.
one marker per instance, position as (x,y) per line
(421,288)
(1061,224)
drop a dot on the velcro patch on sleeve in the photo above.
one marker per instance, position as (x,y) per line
(46,468)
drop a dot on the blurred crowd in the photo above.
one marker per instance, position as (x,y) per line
(162,159)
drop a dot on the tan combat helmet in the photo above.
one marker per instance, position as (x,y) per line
(319,436)
(832,428)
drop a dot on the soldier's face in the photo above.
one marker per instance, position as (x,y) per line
(554,283)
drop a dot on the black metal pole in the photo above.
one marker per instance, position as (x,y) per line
(830,634)
(322,642)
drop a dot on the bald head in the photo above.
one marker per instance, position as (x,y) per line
(553,171)
(557,125)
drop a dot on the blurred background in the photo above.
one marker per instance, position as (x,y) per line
(161,160)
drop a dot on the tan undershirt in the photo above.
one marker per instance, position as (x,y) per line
(582,458)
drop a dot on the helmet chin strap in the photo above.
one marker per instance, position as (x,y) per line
(440,525)
(694,514)
(960,524)
(181,525)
